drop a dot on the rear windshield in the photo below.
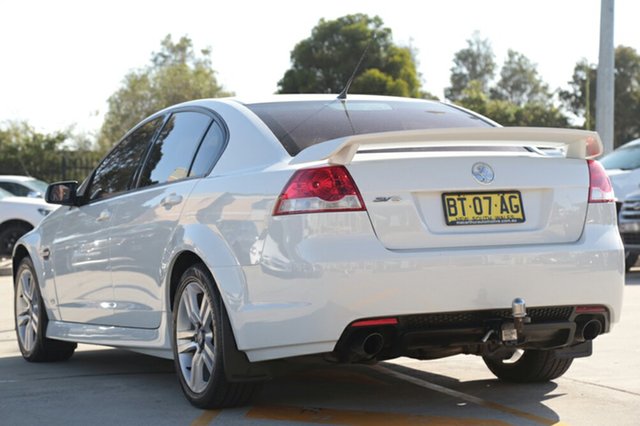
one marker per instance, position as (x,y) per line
(300,124)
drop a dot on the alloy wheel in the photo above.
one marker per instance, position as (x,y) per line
(195,337)
(27,310)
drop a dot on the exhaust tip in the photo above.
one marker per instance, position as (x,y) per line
(373,344)
(591,330)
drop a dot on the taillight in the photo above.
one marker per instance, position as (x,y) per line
(600,189)
(323,189)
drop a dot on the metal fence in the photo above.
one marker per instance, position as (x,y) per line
(63,165)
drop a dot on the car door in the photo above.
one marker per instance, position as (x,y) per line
(146,219)
(81,248)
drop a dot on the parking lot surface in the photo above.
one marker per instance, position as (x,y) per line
(102,386)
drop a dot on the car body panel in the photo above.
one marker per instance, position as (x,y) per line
(80,258)
(142,229)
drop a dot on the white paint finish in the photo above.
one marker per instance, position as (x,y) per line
(342,151)
(554,196)
(336,280)
(80,254)
(142,230)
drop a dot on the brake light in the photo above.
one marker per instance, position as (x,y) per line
(600,189)
(323,189)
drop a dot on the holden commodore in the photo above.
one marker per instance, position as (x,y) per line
(237,236)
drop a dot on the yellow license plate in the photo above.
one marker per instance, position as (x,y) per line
(483,208)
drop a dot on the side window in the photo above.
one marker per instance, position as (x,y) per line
(209,151)
(16,189)
(170,157)
(115,174)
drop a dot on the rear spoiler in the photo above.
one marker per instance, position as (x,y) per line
(579,144)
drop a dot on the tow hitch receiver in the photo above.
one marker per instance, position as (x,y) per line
(509,331)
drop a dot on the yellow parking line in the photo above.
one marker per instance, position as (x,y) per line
(360,418)
(205,418)
(469,398)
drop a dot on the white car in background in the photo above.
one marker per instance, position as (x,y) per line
(623,168)
(19,215)
(23,186)
(237,237)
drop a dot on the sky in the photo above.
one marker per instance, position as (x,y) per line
(62,59)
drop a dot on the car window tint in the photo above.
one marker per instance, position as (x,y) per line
(16,189)
(209,151)
(170,157)
(115,174)
(301,124)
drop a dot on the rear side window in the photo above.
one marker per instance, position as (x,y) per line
(298,125)
(171,155)
(209,151)
(16,189)
(116,172)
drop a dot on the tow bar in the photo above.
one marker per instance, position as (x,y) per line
(509,330)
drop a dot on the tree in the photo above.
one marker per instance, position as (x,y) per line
(324,62)
(580,98)
(520,83)
(532,114)
(176,74)
(25,151)
(475,62)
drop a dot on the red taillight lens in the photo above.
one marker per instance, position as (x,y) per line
(600,189)
(324,189)
(375,322)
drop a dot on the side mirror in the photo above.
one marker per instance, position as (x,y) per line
(63,193)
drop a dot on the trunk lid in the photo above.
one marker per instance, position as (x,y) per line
(450,188)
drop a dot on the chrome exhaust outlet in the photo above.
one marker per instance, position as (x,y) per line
(368,346)
(590,330)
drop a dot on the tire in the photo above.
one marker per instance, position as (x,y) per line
(197,344)
(31,320)
(630,260)
(10,235)
(531,366)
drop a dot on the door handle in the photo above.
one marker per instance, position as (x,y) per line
(104,216)
(171,200)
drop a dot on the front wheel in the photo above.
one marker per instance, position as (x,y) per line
(529,366)
(197,344)
(31,320)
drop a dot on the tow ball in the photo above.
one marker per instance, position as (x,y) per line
(509,330)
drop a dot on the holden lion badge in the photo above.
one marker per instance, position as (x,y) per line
(482,172)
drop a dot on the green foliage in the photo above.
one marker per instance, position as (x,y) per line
(580,98)
(519,98)
(24,151)
(176,74)
(324,62)
(474,63)
(519,82)
(533,114)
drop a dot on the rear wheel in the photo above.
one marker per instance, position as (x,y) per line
(529,366)
(31,320)
(10,235)
(197,344)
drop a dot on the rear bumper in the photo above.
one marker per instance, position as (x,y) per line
(300,297)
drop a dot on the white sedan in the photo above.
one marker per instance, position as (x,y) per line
(18,215)
(230,235)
